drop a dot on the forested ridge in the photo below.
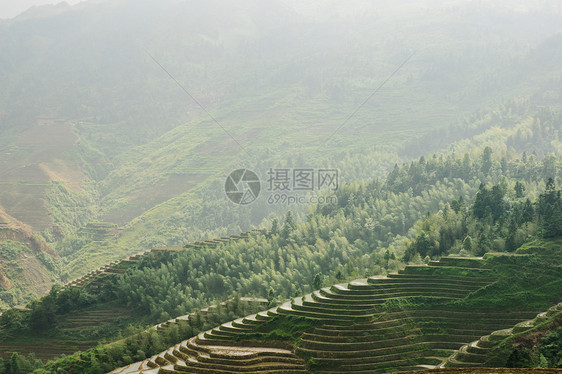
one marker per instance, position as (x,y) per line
(438,205)
(370,230)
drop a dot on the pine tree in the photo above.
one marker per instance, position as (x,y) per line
(484,243)
(274,227)
(339,276)
(519,189)
(289,225)
(317,282)
(466,167)
(549,210)
(14,364)
(270,297)
(486,160)
(528,211)
(510,244)
(457,205)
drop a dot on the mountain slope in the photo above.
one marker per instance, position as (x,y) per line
(403,321)
(94,130)
(423,210)
(28,266)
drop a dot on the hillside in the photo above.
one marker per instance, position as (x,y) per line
(401,165)
(28,267)
(124,145)
(437,210)
(413,319)
(81,329)
(512,347)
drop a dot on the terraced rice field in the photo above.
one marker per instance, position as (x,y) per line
(102,314)
(45,349)
(476,353)
(487,371)
(91,318)
(95,279)
(84,321)
(359,327)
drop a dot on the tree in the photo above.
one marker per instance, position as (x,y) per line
(549,209)
(481,201)
(528,211)
(43,313)
(489,202)
(484,243)
(424,245)
(550,186)
(518,359)
(519,189)
(339,276)
(457,205)
(466,167)
(510,244)
(317,282)
(393,176)
(12,319)
(14,364)
(289,225)
(387,256)
(551,347)
(270,297)
(486,160)
(467,244)
(274,227)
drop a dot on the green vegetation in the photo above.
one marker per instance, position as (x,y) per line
(130,148)
(9,250)
(24,268)
(280,329)
(130,342)
(121,161)
(371,228)
(546,354)
(168,222)
(529,344)
(340,241)
(416,317)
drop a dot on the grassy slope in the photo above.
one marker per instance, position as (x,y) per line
(28,266)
